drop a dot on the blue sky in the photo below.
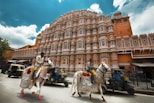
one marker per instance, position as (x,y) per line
(22,20)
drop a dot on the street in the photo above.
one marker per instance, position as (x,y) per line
(10,93)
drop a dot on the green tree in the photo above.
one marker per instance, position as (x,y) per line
(4,46)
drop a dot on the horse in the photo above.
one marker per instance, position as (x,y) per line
(79,81)
(27,83)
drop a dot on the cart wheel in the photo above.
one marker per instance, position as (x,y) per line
(130,91)
(66,84)
(9,75)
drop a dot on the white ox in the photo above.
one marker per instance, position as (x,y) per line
(27,83)
(80,84)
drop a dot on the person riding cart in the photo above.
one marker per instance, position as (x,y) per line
(90,69)
(37,66)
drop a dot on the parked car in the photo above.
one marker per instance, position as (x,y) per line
(124,84)
(57,75)
(15,70)
(6,65)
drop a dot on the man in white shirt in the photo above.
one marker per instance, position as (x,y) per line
(37,66)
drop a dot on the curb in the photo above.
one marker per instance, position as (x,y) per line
(144,92)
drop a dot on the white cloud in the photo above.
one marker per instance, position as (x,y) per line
(18,36)
(44,27)
(119,3)
(143,22)
(140,13)
(60,1)
(95,8)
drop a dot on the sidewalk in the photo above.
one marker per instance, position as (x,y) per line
(149,91)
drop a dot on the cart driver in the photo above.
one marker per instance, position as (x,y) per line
(89,69)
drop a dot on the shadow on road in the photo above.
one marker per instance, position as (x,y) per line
(119,94)
(87,99)
(59,85)
(14,77)
(30,98)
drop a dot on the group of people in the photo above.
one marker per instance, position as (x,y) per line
(40,60)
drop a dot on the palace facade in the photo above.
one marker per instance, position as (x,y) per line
(75,37)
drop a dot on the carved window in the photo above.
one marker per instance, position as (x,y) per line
(65,45)
(152,40)
(144,42)
(81,21)
(119,43)
(127,43)
(88,31)
(100,18)
(95,44)
(135,43)
(88,21)
(94,31)
(103,42)
(53,47)
(112,43)
(69,23)
(102,28)
(88,45)
(67,33)
(81,31)
(110,28)
(80,44)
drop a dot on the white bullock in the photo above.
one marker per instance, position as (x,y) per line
(80,84)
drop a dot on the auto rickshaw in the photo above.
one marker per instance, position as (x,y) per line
(15,70)
(123,84)
(57,75)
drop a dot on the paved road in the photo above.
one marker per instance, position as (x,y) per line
(10,93)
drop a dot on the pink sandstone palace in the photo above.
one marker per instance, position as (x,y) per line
(75,37)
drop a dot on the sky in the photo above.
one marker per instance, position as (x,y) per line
(22,20)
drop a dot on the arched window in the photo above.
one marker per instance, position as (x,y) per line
(135,43)
(80,44)
(127,43)
(112,43)
(103,42)
(152,40)
(81,31)
(65,45)
(144,42)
